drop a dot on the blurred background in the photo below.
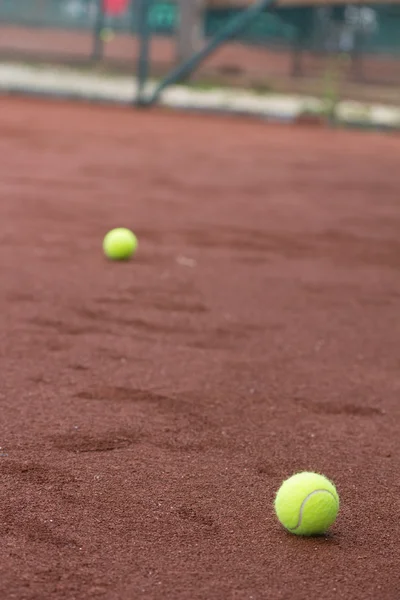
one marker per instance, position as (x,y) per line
(288,48)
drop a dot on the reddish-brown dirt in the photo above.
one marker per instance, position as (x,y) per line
(151,409)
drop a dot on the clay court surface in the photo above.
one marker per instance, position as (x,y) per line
(151,409)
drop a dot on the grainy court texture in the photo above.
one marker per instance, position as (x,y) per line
(151,409)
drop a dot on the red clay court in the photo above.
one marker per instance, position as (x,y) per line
(151,409)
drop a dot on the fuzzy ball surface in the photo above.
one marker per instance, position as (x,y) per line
(307,504)
(120,244)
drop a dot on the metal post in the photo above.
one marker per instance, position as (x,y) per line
(231,29)
(144,31)
(357,71)
(190,35)
(98,43)
(297,54)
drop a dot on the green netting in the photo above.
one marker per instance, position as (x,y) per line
(386,36)
(372,28)
(66,14)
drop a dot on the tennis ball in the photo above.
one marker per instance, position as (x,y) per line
(307,504)
(106,35)
(120,244)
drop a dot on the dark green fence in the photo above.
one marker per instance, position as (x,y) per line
(48,13)
(370,34)
(375,28)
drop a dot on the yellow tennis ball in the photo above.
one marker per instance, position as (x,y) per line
(307,504)
(120,244)
(106,35)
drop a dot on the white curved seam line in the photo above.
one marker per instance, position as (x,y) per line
(303,504)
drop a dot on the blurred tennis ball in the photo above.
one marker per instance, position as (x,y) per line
(106,35)
(120,244)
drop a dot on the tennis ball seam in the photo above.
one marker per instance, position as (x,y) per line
(303,505)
